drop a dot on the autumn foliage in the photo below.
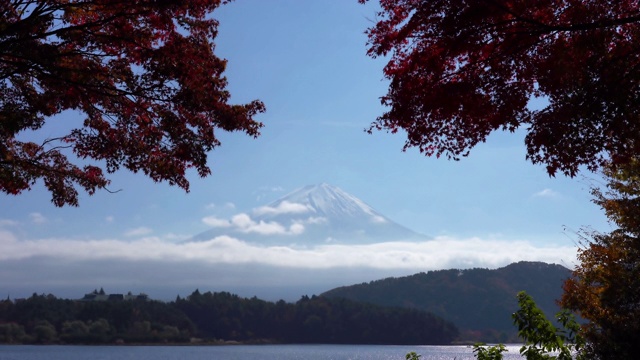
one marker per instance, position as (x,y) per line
(462,69)
(142,73)
(605,288)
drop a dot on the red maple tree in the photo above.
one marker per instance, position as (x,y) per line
(461,69)
(144,74)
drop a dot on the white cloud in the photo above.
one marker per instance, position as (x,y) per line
(109,219)
(140,231)
(547,193)
(440,253)
(231,264)
(265,228)
(315,220)
(284,207)
(6,238)
(296,229)
(245,224)
(37,218)
(227,206)
(168,237)
(8,223)
(273,188)
(216,222)
(242,220)
(377,219)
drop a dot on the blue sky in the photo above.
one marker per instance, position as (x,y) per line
(306,60)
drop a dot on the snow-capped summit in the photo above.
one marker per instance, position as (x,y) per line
(330,201)
(312,215)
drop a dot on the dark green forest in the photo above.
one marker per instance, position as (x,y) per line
(478,301)
(425,308)
(216,318)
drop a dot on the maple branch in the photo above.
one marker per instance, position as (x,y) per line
(547,28)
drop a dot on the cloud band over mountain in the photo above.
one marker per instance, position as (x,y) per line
(229,264)
(277,246)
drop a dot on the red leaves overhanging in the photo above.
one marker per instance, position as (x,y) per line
(461,69)
(143,72)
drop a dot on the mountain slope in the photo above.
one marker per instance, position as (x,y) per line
(312,215)
(478,301)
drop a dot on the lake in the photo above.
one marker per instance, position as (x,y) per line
(238,352)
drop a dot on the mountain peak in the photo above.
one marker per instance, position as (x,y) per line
(312,215)
(328,200)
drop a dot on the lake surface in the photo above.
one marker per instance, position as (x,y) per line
(241,352)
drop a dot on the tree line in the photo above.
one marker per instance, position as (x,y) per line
(478,301)
(214,318)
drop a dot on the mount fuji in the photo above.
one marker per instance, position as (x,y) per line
(312,215)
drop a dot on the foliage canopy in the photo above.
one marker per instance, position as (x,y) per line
(605,288)
(144,75)
(542,340)
(462,69)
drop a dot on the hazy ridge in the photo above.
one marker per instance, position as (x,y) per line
(478,301)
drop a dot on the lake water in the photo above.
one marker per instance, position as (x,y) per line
(241,352)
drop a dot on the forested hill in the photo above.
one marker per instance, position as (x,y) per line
(478,301)
(214,317)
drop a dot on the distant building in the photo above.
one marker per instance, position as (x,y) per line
(101,296)
(115,297)
(141,296)
(95,297)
